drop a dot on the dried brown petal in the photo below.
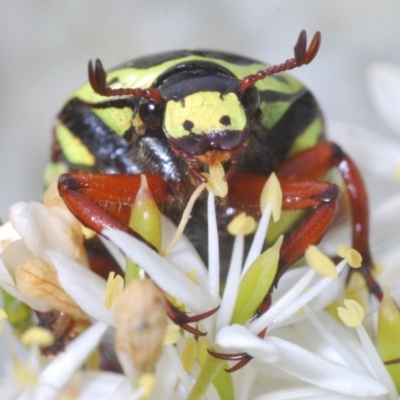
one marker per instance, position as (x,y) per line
(38,279)
(141,323)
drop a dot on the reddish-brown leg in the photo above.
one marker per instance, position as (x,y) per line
(102,201)
(314,163)
(311,164)
(319,197)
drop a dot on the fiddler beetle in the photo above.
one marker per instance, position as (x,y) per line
(171,116)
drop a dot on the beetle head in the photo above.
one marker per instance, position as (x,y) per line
(203,109)
(205,117)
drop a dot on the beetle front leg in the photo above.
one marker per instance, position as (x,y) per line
(321,198)
(103,201)
(318,197)
(314,163)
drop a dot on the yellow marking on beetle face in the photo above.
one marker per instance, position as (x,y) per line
(202,113)
(73,148)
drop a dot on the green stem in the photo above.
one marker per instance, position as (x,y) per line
(210,369)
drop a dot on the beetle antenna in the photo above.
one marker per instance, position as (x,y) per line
(302,56)
(98,81)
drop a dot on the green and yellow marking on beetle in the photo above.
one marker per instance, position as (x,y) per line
(74,150)
(204,113)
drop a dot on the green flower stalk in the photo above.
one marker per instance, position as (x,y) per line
(255,284)
(145,219)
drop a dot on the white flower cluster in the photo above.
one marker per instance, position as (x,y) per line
(306,353)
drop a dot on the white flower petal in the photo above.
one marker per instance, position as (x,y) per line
(283,303)
(161,271)
(384,85)
(391,273)
(305,392)
(232,285)
(124,391)
(99,385)
(385,222)
(213,249)
(166,378)
(323,299)
(374,154)
(175,364)
(319,286)
(301,363)
(375,359)
(331,340)
(239,338)
(9,389)
(15,254)
(83,285)
(7,234)
(184,256)
(116,253)
(40,229)
(61,369)
(311,368)
(259,238)
(9,260)
(5,276)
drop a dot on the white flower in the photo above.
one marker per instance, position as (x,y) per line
(332,375)
(306,353)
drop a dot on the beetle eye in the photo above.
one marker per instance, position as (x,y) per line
(151,113)
(251,99)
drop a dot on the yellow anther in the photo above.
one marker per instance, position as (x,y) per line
(37,336)
(114,288)
(397,173)
(242,224)
(352,256)
(321,263)
(172,334)
(193,276)
(3,314)
(147,382)
(342,249)
(216,182)
(88,233)
(352,314)
(272,193)
(189,354)
(356,289)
